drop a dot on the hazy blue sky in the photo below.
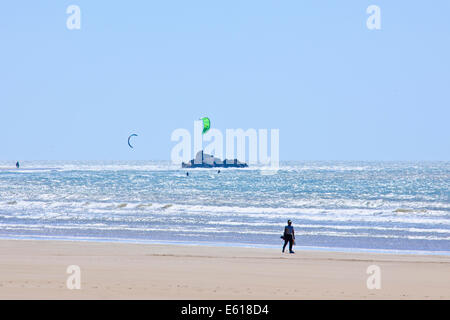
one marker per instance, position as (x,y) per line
(336,90)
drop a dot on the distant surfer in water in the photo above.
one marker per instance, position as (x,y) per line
(17,165)
(289,236)
(187,174)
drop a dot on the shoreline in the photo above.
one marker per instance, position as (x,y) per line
(230,245)
(35,269)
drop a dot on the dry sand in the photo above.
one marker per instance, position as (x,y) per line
(37,270)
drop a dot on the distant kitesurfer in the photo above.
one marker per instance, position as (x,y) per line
(17,165)
(218,171)
(187,174)
(289,236)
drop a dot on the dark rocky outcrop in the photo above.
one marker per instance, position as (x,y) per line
(203,160)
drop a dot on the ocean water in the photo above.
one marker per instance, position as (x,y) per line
(352,205)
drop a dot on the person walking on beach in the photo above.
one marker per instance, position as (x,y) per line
(289,236)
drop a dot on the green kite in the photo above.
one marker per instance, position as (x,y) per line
(206,124)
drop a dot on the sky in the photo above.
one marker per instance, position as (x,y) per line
(312,69)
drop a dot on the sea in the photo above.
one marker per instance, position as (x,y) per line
(399,207)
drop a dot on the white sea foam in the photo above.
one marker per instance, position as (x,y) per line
(371,202)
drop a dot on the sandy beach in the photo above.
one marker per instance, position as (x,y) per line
(37,270)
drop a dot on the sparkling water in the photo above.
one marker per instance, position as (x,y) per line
(353,205)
